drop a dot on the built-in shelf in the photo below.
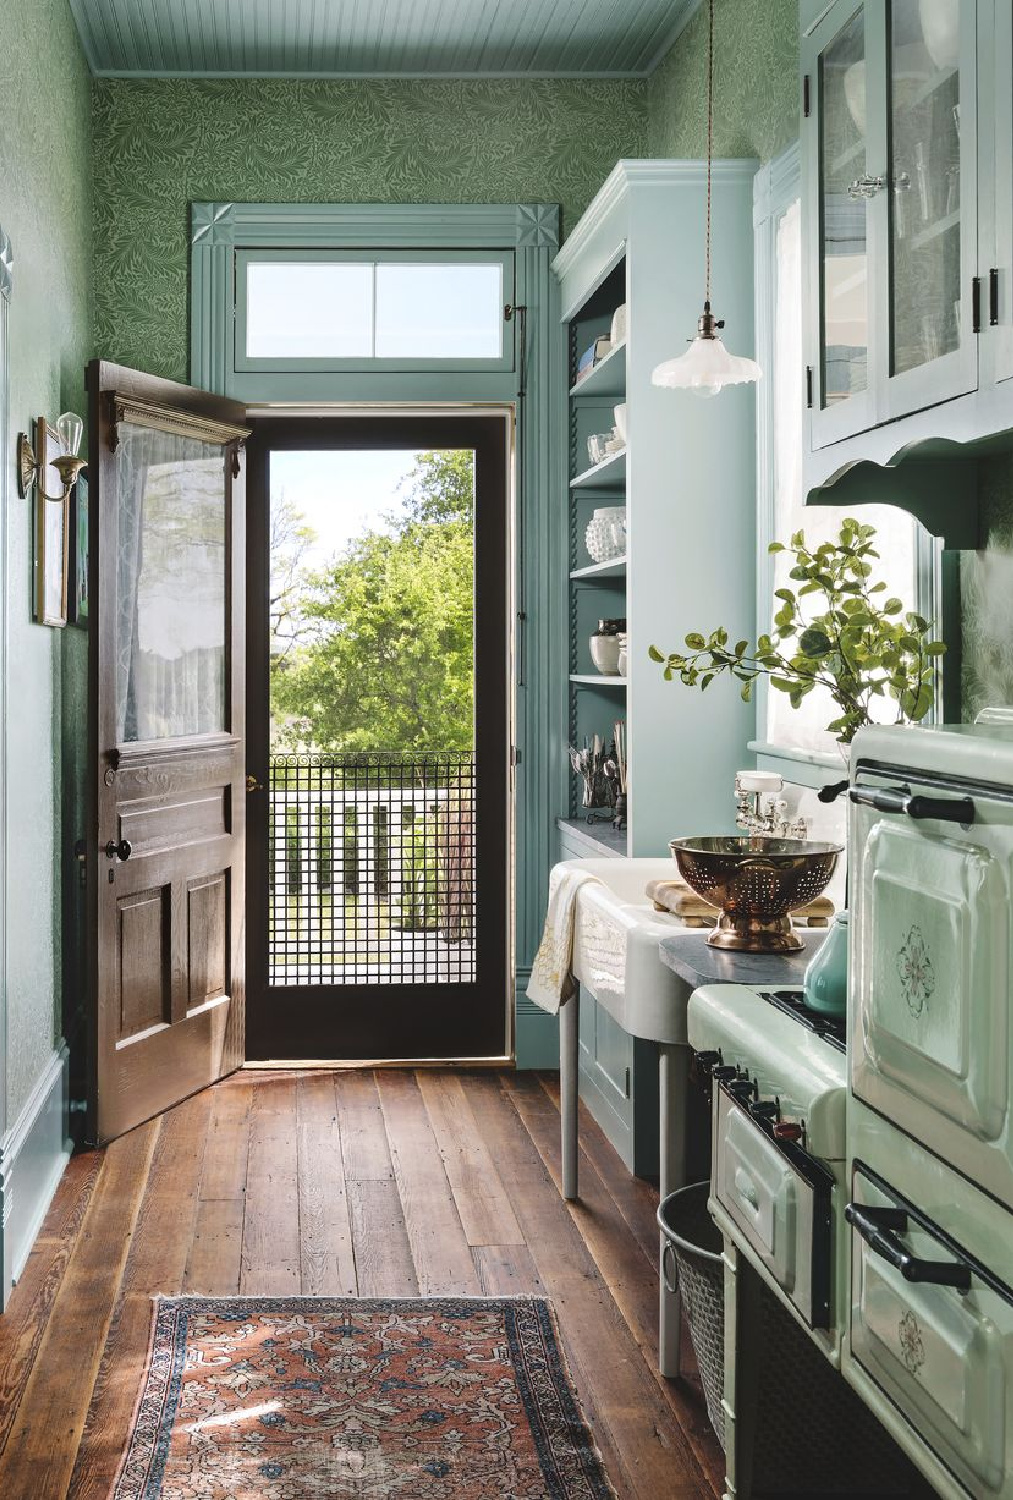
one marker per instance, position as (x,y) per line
(600,838)
(608,378)
(601,572)
(933,231)
(610,474)
(596,679)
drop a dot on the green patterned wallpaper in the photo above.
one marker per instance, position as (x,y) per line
(45,207)
(160,145)
(755,83)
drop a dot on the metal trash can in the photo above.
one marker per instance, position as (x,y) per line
(691,1264)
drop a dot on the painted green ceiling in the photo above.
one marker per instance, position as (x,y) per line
(381,38)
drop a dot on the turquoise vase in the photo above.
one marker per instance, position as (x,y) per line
(826,978)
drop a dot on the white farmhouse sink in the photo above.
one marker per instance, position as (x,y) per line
(615,948)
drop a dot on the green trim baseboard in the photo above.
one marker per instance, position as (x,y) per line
(33,1156)
(537,1041)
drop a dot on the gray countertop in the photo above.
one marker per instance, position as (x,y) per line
(697,964)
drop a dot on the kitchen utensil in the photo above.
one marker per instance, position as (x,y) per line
(605,536)
(756,882)
(826,978)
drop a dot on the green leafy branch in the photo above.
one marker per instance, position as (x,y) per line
(859,647)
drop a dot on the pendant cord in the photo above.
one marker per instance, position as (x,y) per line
(710,142)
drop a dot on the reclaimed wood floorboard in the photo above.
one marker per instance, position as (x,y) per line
(386,1183)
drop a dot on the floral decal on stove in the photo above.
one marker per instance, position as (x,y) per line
(912,1348)
(917,976)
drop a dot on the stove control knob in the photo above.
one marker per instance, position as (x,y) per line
(742,1090)
(725,1073)
(765,1109)
(706,1062)
(788,1130)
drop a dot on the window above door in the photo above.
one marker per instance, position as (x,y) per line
(412,309)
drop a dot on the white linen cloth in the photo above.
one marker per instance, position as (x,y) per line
(551,981)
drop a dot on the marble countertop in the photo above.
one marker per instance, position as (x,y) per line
(691,958)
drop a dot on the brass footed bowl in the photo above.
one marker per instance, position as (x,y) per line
(755,882)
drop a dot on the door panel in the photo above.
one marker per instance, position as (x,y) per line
(166,846)
(371,856)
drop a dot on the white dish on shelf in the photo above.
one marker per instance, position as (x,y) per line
(619,413)
(617,332)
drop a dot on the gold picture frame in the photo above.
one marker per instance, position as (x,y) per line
(52,534)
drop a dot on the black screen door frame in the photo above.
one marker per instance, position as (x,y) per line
(377,1022)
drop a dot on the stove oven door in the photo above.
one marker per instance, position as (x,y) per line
(930,1033)
(934,1360)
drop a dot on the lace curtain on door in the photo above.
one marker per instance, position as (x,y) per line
(170,586)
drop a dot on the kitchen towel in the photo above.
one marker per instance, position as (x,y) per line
(551,981)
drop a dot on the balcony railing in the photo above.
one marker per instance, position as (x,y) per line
(372,868)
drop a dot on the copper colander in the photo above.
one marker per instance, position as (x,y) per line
(756,882)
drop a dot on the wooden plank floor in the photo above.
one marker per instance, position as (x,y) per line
(337,1184)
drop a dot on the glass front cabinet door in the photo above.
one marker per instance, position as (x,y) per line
(997,77)
(890,156)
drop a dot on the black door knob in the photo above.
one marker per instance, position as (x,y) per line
(121,851)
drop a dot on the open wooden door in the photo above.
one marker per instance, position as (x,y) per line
(166,839)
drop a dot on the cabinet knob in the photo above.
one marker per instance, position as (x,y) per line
(866,187)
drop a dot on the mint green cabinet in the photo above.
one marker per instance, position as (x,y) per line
(890,162)
(997,97)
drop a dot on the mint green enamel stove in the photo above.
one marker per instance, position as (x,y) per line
(929,1337)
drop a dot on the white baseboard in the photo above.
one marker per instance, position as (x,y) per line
(33,1156)
(537,1030)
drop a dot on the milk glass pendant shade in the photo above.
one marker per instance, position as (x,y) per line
(707,367)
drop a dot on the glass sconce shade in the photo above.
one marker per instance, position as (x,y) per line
(70,430)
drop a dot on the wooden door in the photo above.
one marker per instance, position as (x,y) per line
(166,846)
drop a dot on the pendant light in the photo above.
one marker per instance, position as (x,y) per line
(707,367)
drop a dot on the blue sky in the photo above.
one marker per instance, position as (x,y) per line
(341,494)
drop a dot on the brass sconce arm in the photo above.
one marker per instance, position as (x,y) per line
(32,465)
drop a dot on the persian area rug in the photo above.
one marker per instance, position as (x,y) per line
(293,1398)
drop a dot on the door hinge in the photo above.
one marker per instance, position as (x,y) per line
(515,756)
(809,386)
(975,304)
(806,97)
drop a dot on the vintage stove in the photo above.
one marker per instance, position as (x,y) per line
(777,1073)
(929,1341)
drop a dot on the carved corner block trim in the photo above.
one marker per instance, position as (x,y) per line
(212,224)
(538,225)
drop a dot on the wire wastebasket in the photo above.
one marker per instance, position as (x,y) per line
(692,1264)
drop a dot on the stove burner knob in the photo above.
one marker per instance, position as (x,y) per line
(725,1073)
(765,1109)
(742,1090)
(706,1062)
(787,1130)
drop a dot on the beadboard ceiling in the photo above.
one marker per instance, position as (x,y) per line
(377,38)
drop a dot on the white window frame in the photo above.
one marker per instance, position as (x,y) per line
(777,185)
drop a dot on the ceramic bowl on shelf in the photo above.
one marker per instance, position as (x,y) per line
(854,93)
(941,29)
(619,413)
(605,537)
(617,332)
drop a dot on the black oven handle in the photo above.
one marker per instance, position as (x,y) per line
(897,799)
(879,1228)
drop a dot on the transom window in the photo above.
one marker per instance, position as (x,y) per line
(312,310)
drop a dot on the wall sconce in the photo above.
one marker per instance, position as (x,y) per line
(32,466)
